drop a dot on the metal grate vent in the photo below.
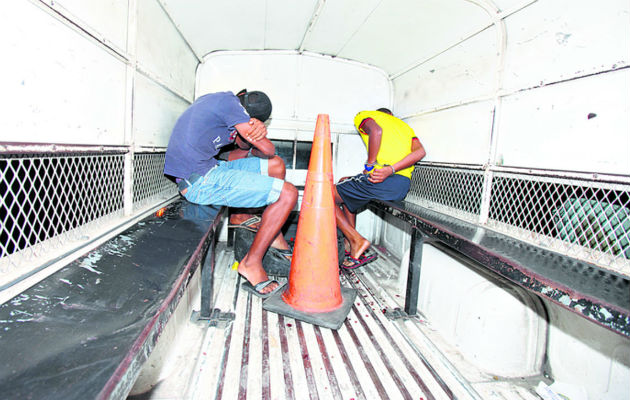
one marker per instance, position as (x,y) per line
(46,200)
(453,191)
(581,218)
(149,183)
(51,203)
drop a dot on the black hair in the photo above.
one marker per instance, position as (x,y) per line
(385,110)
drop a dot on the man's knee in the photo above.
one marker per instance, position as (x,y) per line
(276,167)
(289,193)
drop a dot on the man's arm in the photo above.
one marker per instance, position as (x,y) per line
(417,154)
(254,133)
(375,133)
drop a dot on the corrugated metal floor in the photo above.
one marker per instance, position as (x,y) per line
(263,355)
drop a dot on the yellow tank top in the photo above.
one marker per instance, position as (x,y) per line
(395,140)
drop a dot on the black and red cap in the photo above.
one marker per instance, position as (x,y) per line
(257,104)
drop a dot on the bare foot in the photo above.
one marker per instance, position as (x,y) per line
(255,274)
(357,248)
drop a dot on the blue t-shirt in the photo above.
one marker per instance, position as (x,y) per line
(201,131)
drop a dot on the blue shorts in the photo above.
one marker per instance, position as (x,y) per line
(358,191)
(242,183)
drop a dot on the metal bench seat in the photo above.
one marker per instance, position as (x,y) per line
(85,331)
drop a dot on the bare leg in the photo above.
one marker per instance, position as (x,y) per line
(358,244)
(276,169)
(352,217)
(273,218)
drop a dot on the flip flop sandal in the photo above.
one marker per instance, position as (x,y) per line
(257,290)
(288,253)
(277,262)
(352,263)
(249,224)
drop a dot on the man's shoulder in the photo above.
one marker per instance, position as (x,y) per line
(219,103)
(214,97)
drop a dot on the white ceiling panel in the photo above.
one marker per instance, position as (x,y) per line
(241,24)
(219,25)
(390,34)
(399,33)
(337,23)
(286,22)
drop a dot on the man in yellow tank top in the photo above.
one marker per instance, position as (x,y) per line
(393,149)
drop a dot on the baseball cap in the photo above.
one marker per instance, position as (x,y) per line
(256,103)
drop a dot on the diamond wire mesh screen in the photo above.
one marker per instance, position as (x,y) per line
(588,220)
(582,219)
(453,191)
(51,203)
(47,201)
(149,183)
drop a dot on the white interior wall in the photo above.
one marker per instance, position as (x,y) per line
(561,62)
(465,305)
(96,73)
(60,86)
(162,52)
(586,357)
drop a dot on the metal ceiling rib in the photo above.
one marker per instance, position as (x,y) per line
(395,36)
(390,35)
(311,24)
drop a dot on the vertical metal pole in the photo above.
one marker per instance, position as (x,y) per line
(413,276)
(129,87)
(486,195)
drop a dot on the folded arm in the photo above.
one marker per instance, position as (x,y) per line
(417,154)
(253,135)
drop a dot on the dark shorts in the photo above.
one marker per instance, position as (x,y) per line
(358,191)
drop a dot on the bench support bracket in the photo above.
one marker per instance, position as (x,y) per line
(413,275)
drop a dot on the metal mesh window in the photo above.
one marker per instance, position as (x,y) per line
(303,154)
(149,183)
(45,200)
(582,218)
(51,203)
(451,190)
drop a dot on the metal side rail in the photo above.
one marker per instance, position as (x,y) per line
(600,295)
(85,331)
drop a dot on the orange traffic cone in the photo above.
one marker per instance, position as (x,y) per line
(314,293)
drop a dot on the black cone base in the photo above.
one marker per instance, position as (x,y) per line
(332,319)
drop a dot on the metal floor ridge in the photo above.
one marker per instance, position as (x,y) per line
(263,355)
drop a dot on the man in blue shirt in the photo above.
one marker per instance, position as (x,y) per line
(210,123)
